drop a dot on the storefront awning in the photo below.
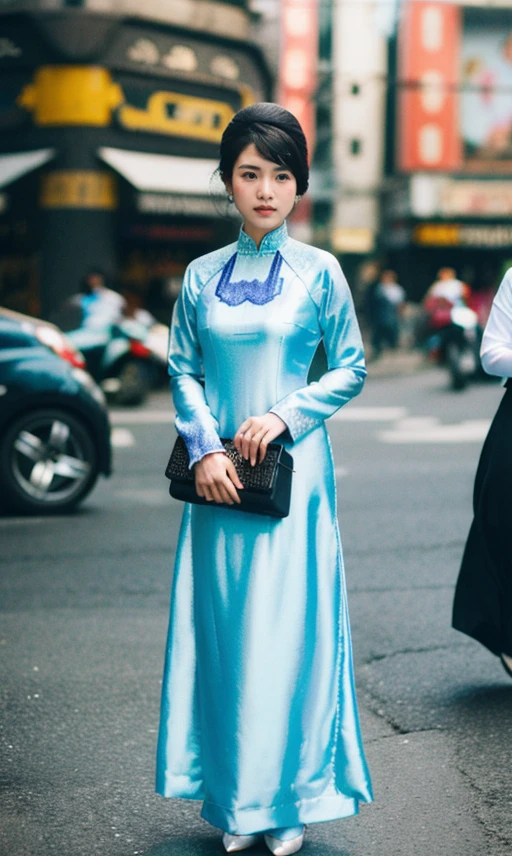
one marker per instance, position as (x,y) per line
(161,173)
(13,166)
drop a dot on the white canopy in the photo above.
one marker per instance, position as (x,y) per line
(13,166)
(161,173)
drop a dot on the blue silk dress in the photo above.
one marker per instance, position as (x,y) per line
(259,716)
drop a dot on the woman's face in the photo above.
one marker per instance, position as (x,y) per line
(264,192)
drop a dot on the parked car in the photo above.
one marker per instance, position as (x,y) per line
(54,425)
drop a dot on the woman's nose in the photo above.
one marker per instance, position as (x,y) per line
(266,191)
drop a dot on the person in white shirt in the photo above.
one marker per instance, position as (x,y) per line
(496,349)
(482,605)
(448,287)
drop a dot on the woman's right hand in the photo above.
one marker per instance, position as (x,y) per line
(216,479)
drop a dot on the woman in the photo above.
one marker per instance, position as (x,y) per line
(483,598)
(259,714)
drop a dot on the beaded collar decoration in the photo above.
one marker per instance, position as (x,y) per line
(271,242)
(253,290)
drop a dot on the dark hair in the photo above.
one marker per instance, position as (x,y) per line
(277,135)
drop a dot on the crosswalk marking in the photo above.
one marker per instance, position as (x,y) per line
(370,414)
(430,430)
(122,438)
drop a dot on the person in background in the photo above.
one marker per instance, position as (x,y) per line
(101,306)
(386,303)
(482,605)
(447,288)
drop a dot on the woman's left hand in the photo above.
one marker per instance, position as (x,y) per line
(254,435)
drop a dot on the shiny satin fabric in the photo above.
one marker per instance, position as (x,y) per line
(259,717)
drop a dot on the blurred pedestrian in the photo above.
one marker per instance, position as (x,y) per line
(101,306)
(259,714)
(447,289)
(385,305)
(483,597)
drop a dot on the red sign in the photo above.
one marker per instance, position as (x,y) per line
(297,75)
(428,76)
(298,64)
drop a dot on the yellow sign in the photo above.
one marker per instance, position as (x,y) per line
(87,95)
(179,116)
(437,235)
(71,95)
(352,240)
(69,188)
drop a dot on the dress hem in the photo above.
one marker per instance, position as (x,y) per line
(245,821)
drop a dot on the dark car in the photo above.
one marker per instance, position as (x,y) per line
(54,425)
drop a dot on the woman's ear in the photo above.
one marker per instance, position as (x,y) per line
(229,187)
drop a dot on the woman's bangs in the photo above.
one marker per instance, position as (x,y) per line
(273,145)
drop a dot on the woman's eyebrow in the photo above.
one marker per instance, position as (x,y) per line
(251,166)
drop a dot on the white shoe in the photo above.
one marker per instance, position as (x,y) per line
(507,664)
(232,843)
(284,848)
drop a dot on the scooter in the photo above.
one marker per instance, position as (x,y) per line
(120,359)
(454,341)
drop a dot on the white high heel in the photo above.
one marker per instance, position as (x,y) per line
(284,848)
(507,664)
(233,843)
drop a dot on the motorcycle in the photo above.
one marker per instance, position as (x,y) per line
(454,340)
(127,359)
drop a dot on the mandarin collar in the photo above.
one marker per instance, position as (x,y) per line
(271,242)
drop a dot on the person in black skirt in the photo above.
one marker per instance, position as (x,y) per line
(482,606)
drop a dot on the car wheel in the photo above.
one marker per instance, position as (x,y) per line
(48,462)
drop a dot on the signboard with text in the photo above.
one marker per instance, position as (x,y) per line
(454,109)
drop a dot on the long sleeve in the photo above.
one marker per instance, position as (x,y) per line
(307,407)
(194,419)
(496,349)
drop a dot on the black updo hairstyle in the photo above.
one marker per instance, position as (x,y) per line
(277,135)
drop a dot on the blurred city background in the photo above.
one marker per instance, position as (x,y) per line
(111,113)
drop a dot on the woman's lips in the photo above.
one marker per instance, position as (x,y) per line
(265,211)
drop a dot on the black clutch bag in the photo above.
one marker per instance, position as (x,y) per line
(267,485)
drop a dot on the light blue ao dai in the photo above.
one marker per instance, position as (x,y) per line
(259,717)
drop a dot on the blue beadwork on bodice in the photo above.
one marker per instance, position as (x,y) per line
(253,290)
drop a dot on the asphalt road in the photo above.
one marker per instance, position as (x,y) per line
(83,617)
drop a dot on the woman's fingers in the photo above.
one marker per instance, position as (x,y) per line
(238,438)
(255,444)
(233,475)
(216,494)
(266,439)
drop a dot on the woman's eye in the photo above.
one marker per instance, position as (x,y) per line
(283,176)
(248,175)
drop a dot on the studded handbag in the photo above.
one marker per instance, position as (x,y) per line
(267,485)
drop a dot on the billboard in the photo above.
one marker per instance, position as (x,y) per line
(486,98)
(454,106)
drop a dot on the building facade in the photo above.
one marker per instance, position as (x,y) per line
(448,198)
(111,117)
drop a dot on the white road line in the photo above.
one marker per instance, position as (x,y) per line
(143,496)
(347,414)
(142,417)
(370,414)
(430,430)
(122,438)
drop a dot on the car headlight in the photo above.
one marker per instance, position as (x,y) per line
(84,379)
(60,344)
